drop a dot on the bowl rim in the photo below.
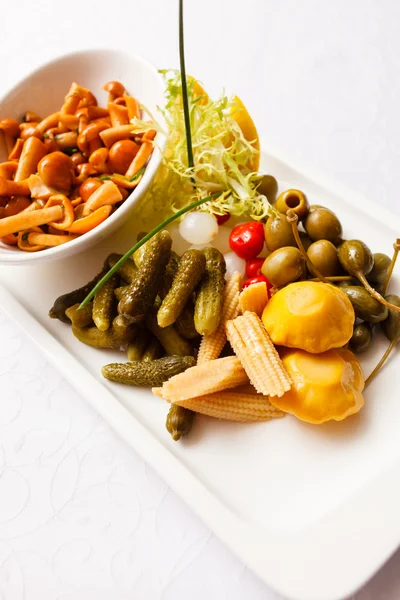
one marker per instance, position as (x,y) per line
(14,257)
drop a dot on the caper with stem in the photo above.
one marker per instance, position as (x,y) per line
(365,306)
(292,219)
(391,329)
(361,339)
(356,258)
(396,249)
(380,269)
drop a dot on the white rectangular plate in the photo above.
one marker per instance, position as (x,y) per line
(312,509)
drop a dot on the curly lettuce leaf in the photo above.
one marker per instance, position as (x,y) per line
(222,156)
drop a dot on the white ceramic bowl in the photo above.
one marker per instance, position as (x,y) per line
(43,92)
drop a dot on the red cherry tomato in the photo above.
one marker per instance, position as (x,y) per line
(258,279)
(253,267)
(247,240)
(221,219)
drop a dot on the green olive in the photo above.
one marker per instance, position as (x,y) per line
(268,186)
(323,255)
(322,224)
(293,200)
(380,269)
(278,233)
(305,240)
(365,306)
(391,327)
(361,339)
(284,266)
(355,257)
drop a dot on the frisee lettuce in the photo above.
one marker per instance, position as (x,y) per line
(221,157)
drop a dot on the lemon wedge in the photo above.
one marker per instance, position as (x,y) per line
(198,90)
(241,115)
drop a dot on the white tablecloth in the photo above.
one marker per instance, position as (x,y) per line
(81,515)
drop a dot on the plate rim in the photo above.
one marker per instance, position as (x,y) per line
(338,537)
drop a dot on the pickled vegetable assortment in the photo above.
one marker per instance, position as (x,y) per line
(261,317)
(67,172)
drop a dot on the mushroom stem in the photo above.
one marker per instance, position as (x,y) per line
(376,294)
(381,362)
(292,219)
(396,247)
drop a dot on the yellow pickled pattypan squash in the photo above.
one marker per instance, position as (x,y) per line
(309,315)
(325,387)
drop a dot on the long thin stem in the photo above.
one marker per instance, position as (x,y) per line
(185,99)
(335,278)
(140,243)
(292,218)
(381,362)
(396,247)
(376,294)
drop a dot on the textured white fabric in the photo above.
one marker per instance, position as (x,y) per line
(81,516)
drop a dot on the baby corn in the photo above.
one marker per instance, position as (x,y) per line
(234,405)
(211,345)
(258,355)
(240,404)
(254,298)
(213,376)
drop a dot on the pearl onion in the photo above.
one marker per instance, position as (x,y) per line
(234,263)
(198,227)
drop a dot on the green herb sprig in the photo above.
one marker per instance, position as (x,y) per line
(185,99)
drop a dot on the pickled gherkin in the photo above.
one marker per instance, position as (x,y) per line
(120,291)
(104,304)
(169,338)
(190,271)
(77,296)
(137,346)
(122,327)
(120,334)
(143,290)
(80,318)
(170,270)
(169,275)
(179,421)
(137,256)
(185,322)
(127,270)
(153,350)
(209,299)
(150,374)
